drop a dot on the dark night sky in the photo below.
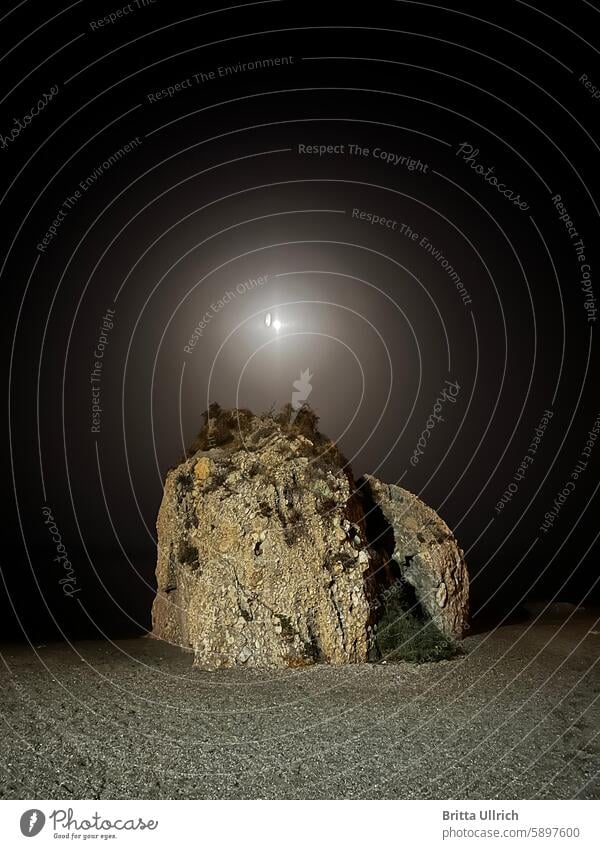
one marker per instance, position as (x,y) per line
(216,188)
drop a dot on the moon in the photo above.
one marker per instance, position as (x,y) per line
(273,322)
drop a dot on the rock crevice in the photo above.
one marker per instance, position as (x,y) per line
(427,555)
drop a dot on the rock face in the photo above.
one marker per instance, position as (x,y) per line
(259,559)
(427,555)
(263,556)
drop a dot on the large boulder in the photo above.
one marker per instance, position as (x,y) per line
(427,554)
(260,558)
(269,555)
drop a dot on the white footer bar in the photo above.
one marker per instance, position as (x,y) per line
(289,824)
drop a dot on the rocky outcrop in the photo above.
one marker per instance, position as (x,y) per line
(427,555)
(259,559)
(263,556)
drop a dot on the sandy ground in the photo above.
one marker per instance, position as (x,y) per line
(517,717)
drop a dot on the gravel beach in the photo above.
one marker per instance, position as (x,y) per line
(517,717)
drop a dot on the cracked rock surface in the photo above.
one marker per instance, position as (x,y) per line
(259,561)
(427,554)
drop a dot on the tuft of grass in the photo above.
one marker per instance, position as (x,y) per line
(403,633)
(222,427)
(214,482)
(237,427)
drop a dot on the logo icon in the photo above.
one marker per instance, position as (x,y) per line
(303,389)
(32,822)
